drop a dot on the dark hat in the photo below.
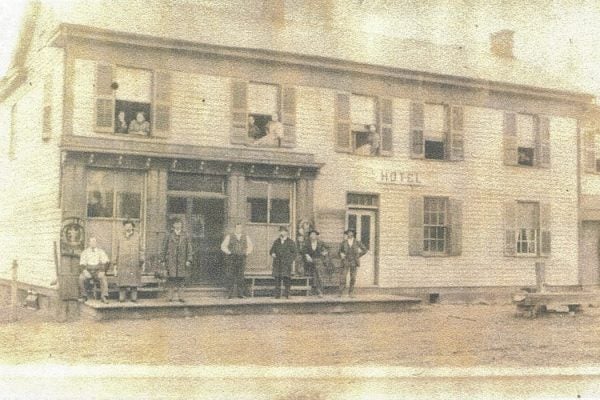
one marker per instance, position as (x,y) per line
(347,231)
(313,231)
(283,228)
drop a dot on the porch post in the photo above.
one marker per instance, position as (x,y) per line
(236,199)
(304,199)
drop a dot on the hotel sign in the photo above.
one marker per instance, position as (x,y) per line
(398,177)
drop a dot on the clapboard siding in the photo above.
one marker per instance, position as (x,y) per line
(30,215)
(200,115)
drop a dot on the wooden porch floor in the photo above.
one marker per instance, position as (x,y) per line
(199,306)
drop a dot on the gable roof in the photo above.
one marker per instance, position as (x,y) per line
(195,21)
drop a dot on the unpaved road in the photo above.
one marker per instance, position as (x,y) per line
(435,336)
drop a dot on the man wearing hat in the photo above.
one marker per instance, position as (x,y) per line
(284,253)
(314,252)
(351,250)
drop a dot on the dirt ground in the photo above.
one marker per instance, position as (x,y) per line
(435,336)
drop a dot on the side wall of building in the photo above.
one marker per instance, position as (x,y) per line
(30,216)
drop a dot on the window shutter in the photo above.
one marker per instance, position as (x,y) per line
(386,121)
(239,112)
(590,151)
(343,123)
(545,225)
(288,116)
(162,104)
(415,226)
(510,229)
(47,109)
(456,142)
(511,146)
(542,141)
(417,124)
(455,235)
(105,99)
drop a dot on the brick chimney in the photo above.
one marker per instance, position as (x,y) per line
(501,43)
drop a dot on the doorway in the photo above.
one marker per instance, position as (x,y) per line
(203,220)
(589,268)
(363,222)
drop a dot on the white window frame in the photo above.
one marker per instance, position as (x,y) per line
(428,226)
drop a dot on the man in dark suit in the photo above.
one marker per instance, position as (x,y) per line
(314,253)
(351,250)
(177,259)
(284,253)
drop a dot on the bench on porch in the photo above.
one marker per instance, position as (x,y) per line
(263,283)
(150,284)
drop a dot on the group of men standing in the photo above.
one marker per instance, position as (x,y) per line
(177,256)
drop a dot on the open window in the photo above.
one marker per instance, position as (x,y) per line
(263,115)
(436,131)
(132,101)
(364,125)
(526,140)
(133,96)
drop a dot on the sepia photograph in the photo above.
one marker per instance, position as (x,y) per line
(299,199)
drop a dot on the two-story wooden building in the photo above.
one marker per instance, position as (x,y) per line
(456,169)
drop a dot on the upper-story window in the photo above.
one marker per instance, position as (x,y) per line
(132,101)
(592,151)
(263,115)
(526,140)
(436,131)
(364,124)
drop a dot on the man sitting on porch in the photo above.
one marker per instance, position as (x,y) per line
(93,261)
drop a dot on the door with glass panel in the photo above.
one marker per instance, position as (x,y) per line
(363,223)
(268,206)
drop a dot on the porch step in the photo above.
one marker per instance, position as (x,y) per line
(160,308)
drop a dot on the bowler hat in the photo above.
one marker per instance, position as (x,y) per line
(347,231)
(283,228)
(314,231)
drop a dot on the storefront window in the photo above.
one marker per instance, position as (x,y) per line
(268,202)
(112,197)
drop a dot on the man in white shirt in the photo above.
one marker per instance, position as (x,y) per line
(236,246)
(93,261)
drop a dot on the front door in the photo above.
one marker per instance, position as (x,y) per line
(204,221)
(363,223)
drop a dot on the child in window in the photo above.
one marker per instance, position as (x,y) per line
(121,126)
(139,126)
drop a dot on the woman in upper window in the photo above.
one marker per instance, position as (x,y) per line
(121,126)
(139,126)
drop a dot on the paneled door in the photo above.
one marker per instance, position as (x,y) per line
(363,223)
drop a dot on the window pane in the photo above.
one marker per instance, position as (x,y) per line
(257,209)
(100,185)
(177,205)
(435,116)
(128,205)
(525,131)
(362,110)
(263,99)
(434,150)
(280,211)
(352,222)
(527,215)
(365,230)
(134,85)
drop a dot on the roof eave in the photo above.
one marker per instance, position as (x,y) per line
(92,33)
